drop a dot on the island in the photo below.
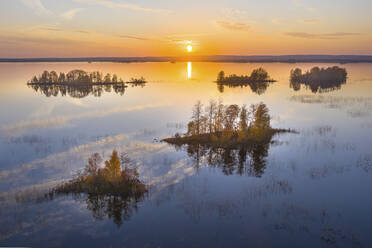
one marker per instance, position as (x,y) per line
(79,84)
(319,80)
(111,190)
(258,81)
(225,135)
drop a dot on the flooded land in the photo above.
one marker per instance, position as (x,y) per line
(185,154)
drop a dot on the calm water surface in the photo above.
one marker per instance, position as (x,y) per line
(311,189)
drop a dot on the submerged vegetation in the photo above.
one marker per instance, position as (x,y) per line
(110,191)
(79,84)
(258,81)
(318,79)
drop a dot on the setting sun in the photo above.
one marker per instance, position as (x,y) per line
(189,48)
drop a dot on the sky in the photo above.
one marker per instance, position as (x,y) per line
(119,28)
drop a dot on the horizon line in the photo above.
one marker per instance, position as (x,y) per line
(294,58)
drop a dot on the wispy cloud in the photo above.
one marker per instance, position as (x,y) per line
(309,21)
(133,37)
(233,13)
(70,14)
(326,36)
(111,4)
(57,29)
(38,6)
(22,39)
(232,25)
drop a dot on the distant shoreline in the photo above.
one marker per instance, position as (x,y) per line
(342,59)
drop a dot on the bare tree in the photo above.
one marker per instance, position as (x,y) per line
(196,115)
(211,111)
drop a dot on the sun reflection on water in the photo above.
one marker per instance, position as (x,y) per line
(189,70)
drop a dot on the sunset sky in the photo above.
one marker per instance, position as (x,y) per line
(75,28)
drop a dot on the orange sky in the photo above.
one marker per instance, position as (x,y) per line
(75,28)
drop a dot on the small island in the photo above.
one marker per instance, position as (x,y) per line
(318,79)
(110,191)
(80,77)
(79,84)
(258,81)
(232,138)
(230,126)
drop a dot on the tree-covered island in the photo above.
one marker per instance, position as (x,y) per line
(80,77)
(229,127)
(110,191)
(79,84)
(258,81)
(318,79)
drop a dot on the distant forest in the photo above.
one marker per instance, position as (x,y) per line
(318,79)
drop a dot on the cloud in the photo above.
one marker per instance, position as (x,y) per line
(57,29)
(132,37)
(309,21)
(38,6)
(233,13)
(21,40)
(70,14)
(111,4)
(325,36)
(231,25)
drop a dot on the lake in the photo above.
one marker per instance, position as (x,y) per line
(307,189)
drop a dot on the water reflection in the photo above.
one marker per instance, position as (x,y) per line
(78,91)
(301,181)
(318,80)
(117,208)
(189,70)
(248,159)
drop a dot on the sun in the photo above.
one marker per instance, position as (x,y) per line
(189,48)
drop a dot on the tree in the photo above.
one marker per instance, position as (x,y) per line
(114,78)
(107,78)
(218,117)
(34,80)
(112,168)
(196,115)
(62,78)
(259,74)
(251,113)
(53,77)
(93,164)
(243,122)
(211,111)
(221,76)
(98,77)
(204,124)
(44,77)
(191,129)
(231,113)
(262,117)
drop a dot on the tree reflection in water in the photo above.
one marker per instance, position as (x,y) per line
(319,80)
(119,208)
(248,159)
(78,91)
